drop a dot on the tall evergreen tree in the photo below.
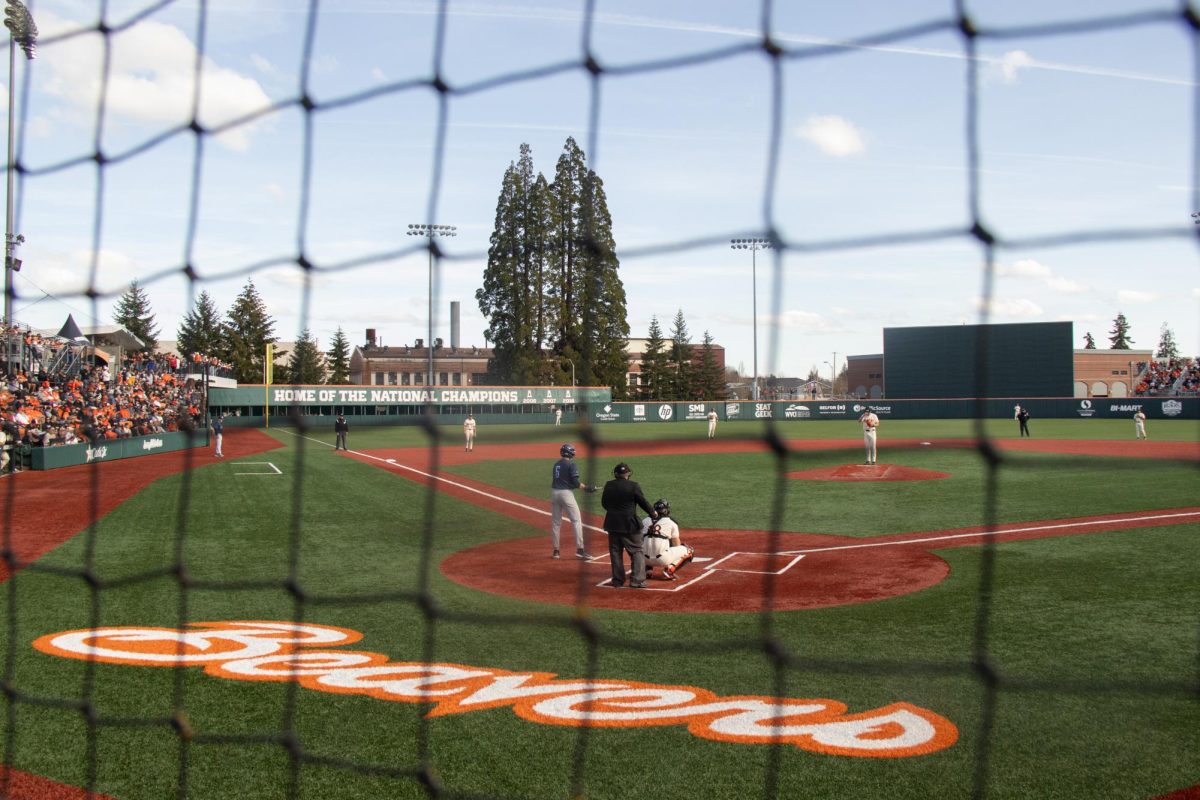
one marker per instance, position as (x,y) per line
(248,328)
(586,295)
(306,366)
(200,330)
(1167,349)
(1088,342)
(710,378)
(134,315)
(682,378)
(338,359)
(655,370)
(551,279)
(513,296)
(1119,335)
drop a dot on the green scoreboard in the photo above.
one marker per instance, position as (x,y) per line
(942,361)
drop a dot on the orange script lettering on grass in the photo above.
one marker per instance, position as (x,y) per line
(284,651)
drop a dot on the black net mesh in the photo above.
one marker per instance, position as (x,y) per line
(97,165)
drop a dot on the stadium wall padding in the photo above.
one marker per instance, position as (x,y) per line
(70,455)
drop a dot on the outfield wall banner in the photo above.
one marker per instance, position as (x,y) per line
(283,396)
(70,455)
(801,410)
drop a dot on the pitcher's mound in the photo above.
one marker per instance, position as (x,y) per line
(865,472)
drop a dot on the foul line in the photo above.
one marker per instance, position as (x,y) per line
(1000,532)
(394,463)
(258,463)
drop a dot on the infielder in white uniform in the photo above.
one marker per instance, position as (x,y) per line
(661,544)
(1139,423)
(870,424)
(469,432)
(712,424)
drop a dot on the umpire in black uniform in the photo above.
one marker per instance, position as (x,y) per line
(340,429)
(621,499)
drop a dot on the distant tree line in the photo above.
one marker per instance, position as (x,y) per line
(1120,339)
(239,338)
(670,369)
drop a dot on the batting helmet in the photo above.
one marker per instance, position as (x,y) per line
(567,451)
(662,507)
(621,469)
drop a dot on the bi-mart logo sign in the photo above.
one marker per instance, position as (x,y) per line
(284,651)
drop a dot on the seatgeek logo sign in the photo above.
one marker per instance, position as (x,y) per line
(280,652)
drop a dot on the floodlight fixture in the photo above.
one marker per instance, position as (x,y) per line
(430,231)
(753,245)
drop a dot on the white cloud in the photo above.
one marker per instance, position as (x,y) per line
(378,74)
(1065,285)
(1019,308)
(833,135)
(800,321)
(1025,267)
(1028,268)
(1136,296)
(264,65)
(1007,67)
(152,79)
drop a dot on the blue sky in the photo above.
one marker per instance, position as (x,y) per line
(1086,132)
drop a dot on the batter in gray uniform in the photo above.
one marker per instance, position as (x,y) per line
(562,499)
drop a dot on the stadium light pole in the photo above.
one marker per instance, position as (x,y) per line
(572,363)
(22,33)
(431,232)
(753,245)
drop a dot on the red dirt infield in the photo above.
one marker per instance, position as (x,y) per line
(735,571)
(746,571)
(29,532)
(859,473)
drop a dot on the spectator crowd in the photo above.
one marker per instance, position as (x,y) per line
(145,397)
(1168,376)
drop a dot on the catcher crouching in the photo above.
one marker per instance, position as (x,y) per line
(661,544)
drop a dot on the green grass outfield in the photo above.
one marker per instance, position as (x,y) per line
(1092,641)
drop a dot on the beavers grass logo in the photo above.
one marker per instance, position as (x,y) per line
(284,651)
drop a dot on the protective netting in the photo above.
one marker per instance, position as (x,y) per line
(588,63)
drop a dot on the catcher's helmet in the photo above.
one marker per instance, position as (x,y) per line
(567,451)
(621,469)
(662,507)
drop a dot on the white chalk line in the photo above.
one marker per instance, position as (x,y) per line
(258,463)
(394,463)
(1000,532)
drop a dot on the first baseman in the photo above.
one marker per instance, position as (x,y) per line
(870,424)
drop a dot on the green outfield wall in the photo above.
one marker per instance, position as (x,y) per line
(399,405)
(799,410)
(70,455)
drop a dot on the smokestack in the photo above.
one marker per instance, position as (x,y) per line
(370,337)
(454,311)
